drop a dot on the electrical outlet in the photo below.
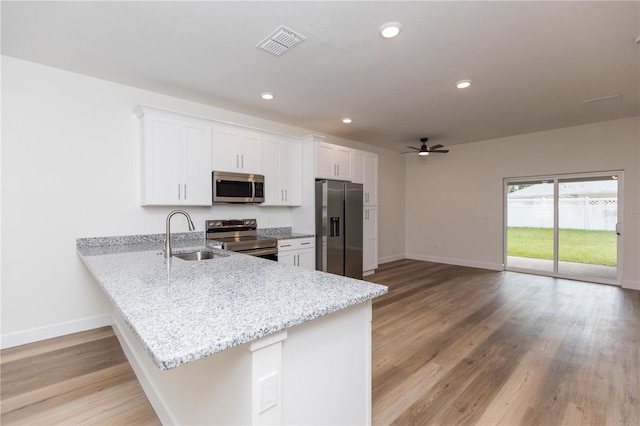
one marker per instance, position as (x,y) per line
(268,396)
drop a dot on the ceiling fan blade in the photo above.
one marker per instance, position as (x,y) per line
(441,151)
(417,149)
(436,147)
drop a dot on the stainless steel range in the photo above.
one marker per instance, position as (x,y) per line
(241,235)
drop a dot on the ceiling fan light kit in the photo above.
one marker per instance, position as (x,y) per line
(425,150)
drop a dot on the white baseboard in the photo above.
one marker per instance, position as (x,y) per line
(393,258)
(458,262)
(18,338)
(631,284)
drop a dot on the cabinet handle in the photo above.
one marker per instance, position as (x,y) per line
(286,196)
(305,244)
(338,169)
(285,245)
(282,195)
(237,161)
(297,260)
(178,191)
(185,191)
(242,161)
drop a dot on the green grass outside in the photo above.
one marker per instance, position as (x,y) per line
(575,245)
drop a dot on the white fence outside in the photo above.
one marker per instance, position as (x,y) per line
(593,214)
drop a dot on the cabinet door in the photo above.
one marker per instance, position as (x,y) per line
(370,239)
(225,157)
(250,152)
(358,167)
(291,173)
(286,257)
(273,191)
(307,258)
(237,150)
(370,184)
(325,168)
(197,147)
(342,159)
(161,161)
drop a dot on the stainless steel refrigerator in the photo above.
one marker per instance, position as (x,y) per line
(339,228)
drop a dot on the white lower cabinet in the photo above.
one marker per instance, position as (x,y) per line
(370,240)
(298,252)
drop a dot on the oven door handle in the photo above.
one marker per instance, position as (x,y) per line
(260,252)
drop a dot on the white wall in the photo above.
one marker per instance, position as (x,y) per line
(70,169)
(455,201)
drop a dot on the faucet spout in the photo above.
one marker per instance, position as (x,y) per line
(167,251)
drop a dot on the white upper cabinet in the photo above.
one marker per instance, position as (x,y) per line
(365,171)
(237,149)
(333,162)
(282,169)
(176,160)
(358,166)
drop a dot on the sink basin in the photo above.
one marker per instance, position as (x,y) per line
(196,255)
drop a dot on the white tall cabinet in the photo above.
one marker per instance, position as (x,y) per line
(365,167)
(176,159)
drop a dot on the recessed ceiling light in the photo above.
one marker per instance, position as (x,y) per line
(347,120)
(390,29)
(267,96)
(463,84)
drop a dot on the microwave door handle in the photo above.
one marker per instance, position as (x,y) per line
(253,191)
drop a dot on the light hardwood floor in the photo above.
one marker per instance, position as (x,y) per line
(451,345)
(82,378)
(455,345)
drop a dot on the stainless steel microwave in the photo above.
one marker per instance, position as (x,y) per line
(237,187)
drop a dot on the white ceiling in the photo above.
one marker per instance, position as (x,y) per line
(532,63)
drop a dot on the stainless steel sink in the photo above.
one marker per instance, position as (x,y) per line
(196,255)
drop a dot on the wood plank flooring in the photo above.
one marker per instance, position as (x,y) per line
(455,345)
(451,345)
(83,378)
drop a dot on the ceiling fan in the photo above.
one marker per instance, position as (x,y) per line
(426,150)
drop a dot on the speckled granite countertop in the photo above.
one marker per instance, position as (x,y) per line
(283,233)
(182,311)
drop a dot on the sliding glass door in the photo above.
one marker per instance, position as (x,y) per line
(565,226)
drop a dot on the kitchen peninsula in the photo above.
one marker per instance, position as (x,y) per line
(237,339)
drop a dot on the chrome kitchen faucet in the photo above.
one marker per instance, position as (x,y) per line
(167,252)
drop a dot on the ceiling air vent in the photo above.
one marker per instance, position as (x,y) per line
(280,41)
